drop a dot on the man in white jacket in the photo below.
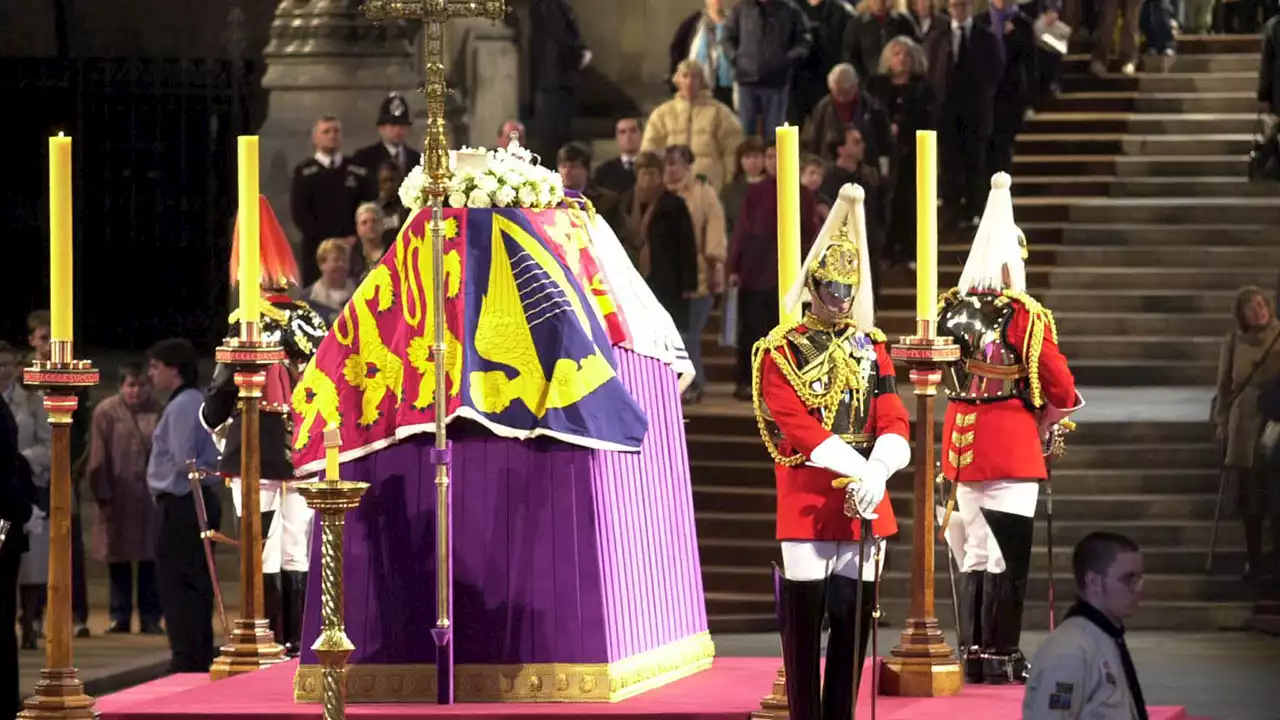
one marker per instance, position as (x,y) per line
(1083,669)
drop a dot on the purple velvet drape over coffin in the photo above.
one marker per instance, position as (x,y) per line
(561,553)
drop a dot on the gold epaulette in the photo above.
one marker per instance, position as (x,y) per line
(1041,321)
(947,298)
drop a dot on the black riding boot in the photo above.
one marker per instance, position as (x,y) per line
(295,600)
(970,632)
(271,603)
(800,605)
(845,661)
(1254,569)
(1002,612)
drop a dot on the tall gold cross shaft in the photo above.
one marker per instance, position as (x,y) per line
(434,14)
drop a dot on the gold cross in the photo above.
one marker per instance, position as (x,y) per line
(434,14)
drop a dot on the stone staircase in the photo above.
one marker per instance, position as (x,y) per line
(1133,193)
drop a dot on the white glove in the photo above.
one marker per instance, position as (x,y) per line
(586,59)
(870,488)
(35,525)
(839,457)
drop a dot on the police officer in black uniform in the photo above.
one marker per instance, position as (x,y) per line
(393,126)
(326,190)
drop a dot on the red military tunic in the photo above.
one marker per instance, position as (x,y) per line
(1000,440)
(809,508)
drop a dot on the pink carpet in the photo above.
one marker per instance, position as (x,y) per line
(728,691)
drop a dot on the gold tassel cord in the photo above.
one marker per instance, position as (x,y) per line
(1040,322)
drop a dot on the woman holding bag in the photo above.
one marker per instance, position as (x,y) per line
(1249,361)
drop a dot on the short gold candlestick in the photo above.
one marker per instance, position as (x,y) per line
(252,645)
(59,693)
(332,498)
(923,664)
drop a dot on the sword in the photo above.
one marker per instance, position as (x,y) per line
(208,537)
(875,625)
(4,531)
(1055,447)
(857,600)
(940,490)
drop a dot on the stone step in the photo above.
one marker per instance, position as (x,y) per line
(741,461)
(1142,123)
(1156,615)
(1217,63)
(1145,102)
(1173,560)
(758,579)
(1202,350)
(1115,300)
(737,420)
(1141,234)
(1196,45)
(1199,256)
(1119,143)
(1162,187)
(1177,210)
(1163,83)
(1162,168)
(1066,533)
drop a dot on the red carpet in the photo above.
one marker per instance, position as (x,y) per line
(729,691)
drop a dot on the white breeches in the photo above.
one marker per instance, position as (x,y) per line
(286,545)
(971,541)
(814,560)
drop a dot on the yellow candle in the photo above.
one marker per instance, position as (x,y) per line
(332,441)
(927,226)
(788,147)
(250,255)
(60,257)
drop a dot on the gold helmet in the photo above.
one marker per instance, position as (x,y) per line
(833,280)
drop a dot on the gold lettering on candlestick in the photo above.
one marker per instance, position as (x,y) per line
(59,693)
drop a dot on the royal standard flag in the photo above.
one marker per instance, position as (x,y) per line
(529,329)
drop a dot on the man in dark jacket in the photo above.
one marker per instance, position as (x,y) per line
(1013,32)
(827,21)
(393,127)
(17,496)
(558,58)
(867,33)
(766,40)
(964,70)
(1269,72)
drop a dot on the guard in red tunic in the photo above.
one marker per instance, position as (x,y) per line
(829,413)
(1008,390)
(286,519)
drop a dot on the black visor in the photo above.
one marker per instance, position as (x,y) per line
(840,292)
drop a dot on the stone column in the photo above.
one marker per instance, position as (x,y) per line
(326,58)
(485,67)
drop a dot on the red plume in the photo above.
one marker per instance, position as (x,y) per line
(279,268)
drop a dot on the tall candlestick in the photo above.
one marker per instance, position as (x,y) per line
(250,255)
(926,232)
(332,441)
(60,254)
(788,147)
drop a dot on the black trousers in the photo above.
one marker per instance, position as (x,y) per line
(964,165)
(1008,122)
(552,129)
(186,590)
(10,693)
(122,596)
(757,315)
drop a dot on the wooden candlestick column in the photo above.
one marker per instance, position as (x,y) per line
(923,664)
(252,645)
(59,694)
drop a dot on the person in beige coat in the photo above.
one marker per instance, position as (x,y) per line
(1249,359)
(694,118)
(713,247)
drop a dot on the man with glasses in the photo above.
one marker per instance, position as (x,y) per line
(1083,669)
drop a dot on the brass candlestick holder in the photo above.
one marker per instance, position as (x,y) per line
(923,664)
(252,645)
(59,693)
(332,498)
